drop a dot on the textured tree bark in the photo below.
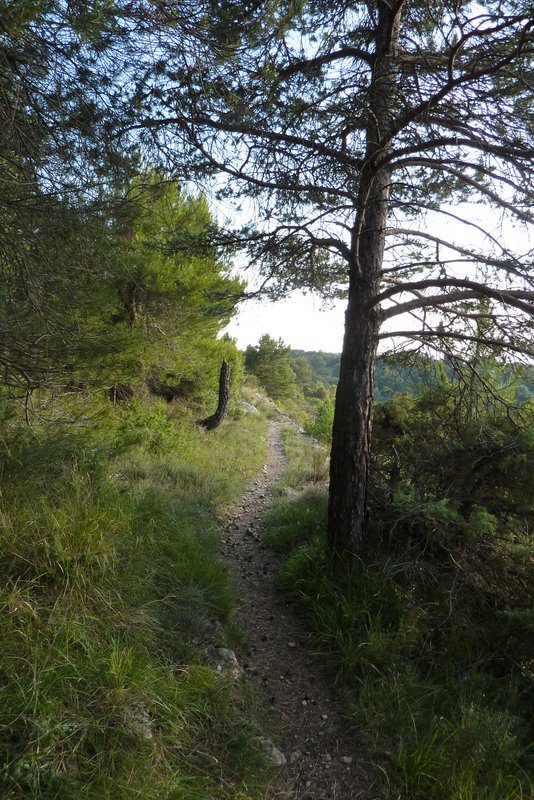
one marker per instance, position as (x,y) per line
(351,438)
(353,416)
(210,423)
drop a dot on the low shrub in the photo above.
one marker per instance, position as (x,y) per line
(432,660)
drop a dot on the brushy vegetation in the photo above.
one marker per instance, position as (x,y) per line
(430,638)
(287,380)
(111,588)
(307,461)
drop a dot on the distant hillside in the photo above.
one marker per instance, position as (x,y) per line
(390,378)
(394,376)
(324,366)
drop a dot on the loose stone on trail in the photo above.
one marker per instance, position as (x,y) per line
(272,754)
(279,662)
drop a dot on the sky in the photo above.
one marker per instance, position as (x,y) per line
(302,321)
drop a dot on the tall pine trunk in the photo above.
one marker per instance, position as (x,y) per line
(353,417)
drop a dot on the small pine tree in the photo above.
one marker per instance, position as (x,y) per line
(270,362)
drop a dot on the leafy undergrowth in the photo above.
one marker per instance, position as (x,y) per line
(110,587)
(431,671)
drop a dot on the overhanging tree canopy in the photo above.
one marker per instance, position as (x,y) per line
(350,128)
(353,127)
(270,361)
(68,82)
(58,164)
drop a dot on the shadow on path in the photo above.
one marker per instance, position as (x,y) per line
(323,761)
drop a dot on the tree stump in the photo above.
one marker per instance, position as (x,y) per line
(210,423)
(120,393)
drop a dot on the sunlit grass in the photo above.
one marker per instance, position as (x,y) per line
(111,584)
(308,461)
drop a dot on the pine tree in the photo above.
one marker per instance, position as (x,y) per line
(353,127)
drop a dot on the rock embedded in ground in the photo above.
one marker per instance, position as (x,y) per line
(272,754)
(224,661)
(136,720)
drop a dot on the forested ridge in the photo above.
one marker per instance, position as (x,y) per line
(408,372)
(135,138)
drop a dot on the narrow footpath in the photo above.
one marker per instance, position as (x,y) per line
(323,761)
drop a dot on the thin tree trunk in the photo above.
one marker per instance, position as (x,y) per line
(210,423)
(353,416)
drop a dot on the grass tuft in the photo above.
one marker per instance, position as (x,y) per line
(111,588)
(307,460)
(415,655)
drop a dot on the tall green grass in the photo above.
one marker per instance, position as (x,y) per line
(307,461)
(418,660)
(111,588)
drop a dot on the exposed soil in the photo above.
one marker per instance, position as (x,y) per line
(324,762)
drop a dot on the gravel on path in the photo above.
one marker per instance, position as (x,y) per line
(324,762)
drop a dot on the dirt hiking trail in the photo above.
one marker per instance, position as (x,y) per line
(323,761)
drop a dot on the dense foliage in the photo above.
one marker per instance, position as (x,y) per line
(56,156)
(172,289)
(324,366)
(406,372)
(430,637)
(270,362)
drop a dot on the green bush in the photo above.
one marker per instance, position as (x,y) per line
(429,636)
(321,427)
